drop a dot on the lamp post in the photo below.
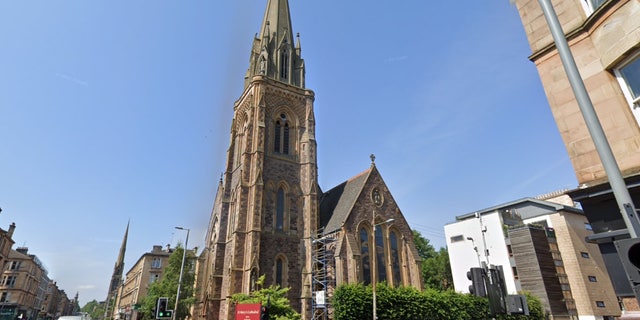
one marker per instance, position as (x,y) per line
(374,267)
(184,255)
(476,249)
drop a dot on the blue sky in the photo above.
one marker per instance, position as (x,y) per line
(117,111)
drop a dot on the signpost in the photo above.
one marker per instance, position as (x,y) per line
(249,311)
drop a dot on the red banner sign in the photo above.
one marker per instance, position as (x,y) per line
(248,311)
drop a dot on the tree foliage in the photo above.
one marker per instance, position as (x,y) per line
(167,286)
(435,266)
(94,309)
(355,302)
(273,297)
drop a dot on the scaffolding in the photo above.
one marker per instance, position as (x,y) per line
(322,281)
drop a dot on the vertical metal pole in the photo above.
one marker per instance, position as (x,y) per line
(184,254)
(374,271)
(618,186)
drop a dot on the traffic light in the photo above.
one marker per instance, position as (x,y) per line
(497,291)
(629,253)
(264,313)
(161,309)
(477,277)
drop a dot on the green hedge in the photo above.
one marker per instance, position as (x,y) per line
(355,302)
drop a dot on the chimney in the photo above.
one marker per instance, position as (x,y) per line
(12,228)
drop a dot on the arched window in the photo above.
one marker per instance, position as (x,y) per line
(280,210)
(231,227)
(381,264)
(395,259)
(364,256)
(281,135)
(276,136)
(281,271)
(284,64)
(252,279)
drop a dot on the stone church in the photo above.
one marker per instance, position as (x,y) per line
(270,216)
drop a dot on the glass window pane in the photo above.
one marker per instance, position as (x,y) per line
(380,260)
(631,75)
(596,3)
(364,254)
(395,260)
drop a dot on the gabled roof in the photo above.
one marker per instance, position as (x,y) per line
(337,203)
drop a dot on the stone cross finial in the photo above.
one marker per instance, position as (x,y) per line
(373,159)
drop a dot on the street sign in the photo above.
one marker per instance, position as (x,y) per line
(249,311)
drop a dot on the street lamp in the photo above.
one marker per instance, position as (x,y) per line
(374,274)
(476,249)
(184,254)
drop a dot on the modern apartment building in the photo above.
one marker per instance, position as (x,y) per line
(604,38)
(147,270)
(541,246)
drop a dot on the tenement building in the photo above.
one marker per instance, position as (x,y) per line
(147,270)
(270,216)
(604,38)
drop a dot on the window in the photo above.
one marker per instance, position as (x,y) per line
(156,263)
(281,135)
(395,259)
(364,256)
(628,75)
(457,238)
(600,304)
(281,271)
(591,5)
(15,265)
(585,254)
(6,296)
(284,64)
(154,277)
(380,257)
(515,272)
(593,279)
(9,281)
(280,210)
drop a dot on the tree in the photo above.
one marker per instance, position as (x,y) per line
(437,271)
(274,297)
(94,309)
(435,266)
(167,286)
(424,247)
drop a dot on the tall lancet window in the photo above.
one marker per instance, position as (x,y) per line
(280,210)
(280,271)
(281,135)
(380,257)
(284,64)
(364,256)
(395,259)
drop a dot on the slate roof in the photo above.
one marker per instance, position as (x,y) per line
(336,204)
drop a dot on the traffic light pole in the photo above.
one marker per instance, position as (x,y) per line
(618,186)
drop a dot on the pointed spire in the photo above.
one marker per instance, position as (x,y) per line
(275,53)
(123,247)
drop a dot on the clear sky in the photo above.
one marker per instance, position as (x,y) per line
(117,111)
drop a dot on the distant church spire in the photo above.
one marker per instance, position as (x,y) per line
(275,53)
(116,278)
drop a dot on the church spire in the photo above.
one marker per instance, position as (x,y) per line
(116,278)
(275,53)
(123,247)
